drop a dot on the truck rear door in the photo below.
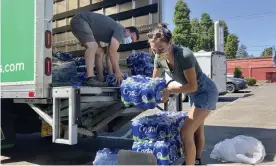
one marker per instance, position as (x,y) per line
(219,70)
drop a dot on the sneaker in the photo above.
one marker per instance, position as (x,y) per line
(184,162)
(198,161)
(94,82)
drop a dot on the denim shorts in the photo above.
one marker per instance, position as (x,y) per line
(206,96)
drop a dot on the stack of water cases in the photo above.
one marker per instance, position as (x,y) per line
(159,134)
(140,64)
(142,92)
(82,75)
(64,68)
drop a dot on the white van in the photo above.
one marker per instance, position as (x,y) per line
(214,65)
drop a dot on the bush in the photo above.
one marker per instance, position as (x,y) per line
(251,81)
(237,72)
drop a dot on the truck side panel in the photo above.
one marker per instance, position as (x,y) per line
(17,41)
(26,53)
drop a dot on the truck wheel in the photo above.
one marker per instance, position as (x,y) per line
(8,133)
(230,88)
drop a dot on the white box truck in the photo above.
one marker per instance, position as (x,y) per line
(29,101)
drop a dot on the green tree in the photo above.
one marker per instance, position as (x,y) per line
(195,33)
(206,37)
(267,52)
(181,19)
(231,46)
(237,72)
(242,53)
(225,30)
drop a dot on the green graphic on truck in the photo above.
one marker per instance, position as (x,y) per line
(17,40)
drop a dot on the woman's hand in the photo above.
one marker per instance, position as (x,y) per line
(166,95)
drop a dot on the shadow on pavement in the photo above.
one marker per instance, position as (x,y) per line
(35,150)
(244,91)
(233,98)
(215,134)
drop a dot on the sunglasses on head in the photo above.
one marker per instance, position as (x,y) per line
(156,35)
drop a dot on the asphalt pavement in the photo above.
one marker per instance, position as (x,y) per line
(31,149)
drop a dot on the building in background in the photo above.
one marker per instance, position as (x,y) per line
(144,14)
(260,68)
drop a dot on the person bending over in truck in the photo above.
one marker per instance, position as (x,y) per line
(181,65)
(91,29)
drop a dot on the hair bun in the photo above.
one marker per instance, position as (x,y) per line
(162,25)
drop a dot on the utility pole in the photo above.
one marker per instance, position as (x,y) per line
(273,56)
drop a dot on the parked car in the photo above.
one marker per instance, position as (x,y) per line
(235,84)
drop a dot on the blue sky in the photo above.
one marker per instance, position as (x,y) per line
(254,20)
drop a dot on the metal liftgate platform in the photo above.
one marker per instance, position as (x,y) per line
(86,109)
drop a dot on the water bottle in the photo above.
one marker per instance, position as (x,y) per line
(179,145)
(135,93)
(81,68)
(151,146)
(181,119)
(151,128)
(111,80)
(80,61)
(105,71)
(134,59)
(134,71)
(135,146)
(149,58)
(161,152)
(125,88)
(141,58)
(63,56)
(173,151)
(148,96)
(164,130)
(138,128)
(129,61)
(125,76)
(148,70)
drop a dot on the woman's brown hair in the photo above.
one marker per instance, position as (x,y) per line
(161,32)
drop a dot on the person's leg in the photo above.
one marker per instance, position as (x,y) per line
(99,63)
(90,61)
(109,65)
(83,32)
(108,62)
(195,118)
(199,142)
(89,56)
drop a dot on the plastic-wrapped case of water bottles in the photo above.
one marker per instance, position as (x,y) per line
(106,157)
(142,92)
(140,64)
(64,68)
(73,70)
(109,78)
(159,134)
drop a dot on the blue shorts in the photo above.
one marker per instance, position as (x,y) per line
(206,96)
